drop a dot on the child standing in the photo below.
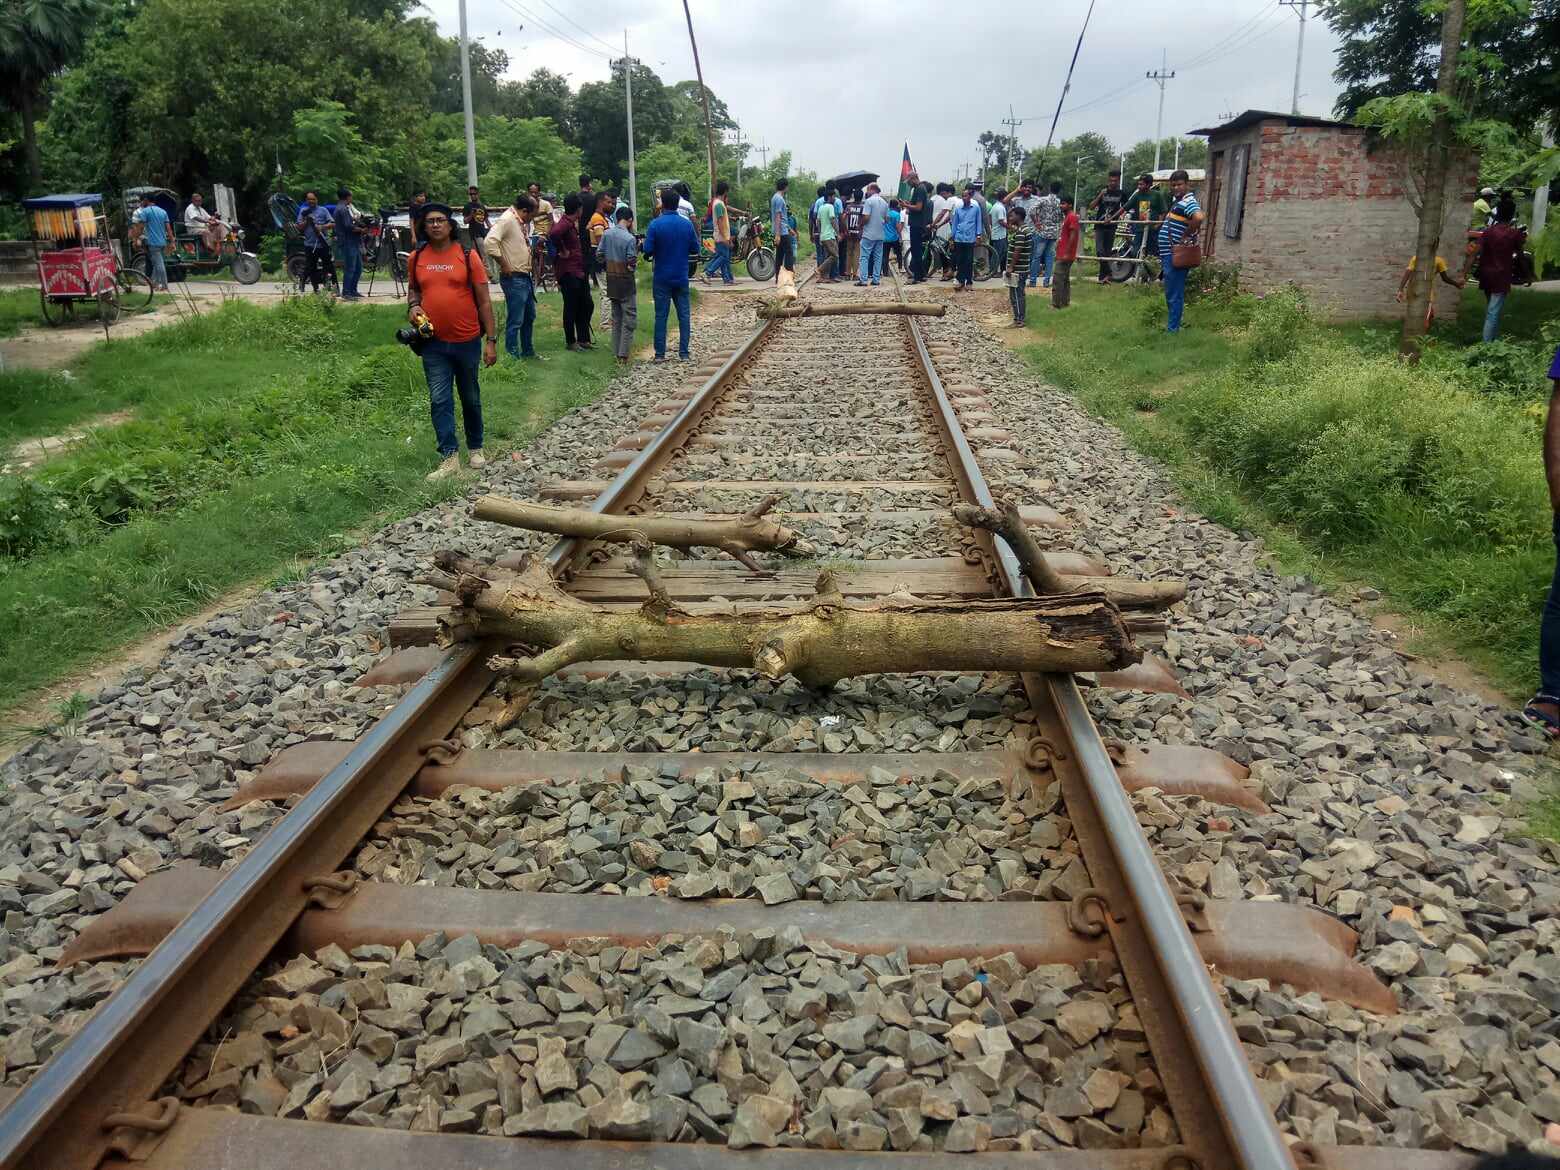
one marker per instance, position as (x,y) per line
(1020,240)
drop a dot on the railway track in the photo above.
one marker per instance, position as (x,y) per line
(970,948)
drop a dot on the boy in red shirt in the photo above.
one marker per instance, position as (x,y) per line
(1066,253)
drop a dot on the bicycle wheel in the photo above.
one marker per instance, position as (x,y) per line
(135,290)
(108,304)
(761,264)
(294,268)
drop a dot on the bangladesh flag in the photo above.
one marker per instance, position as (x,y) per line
(904,174)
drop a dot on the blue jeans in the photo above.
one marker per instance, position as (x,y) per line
(1175,291)
(351,267)
(1042,254)
(156,267)
(720,263)
(871,261)
(1549,630)
(664,297)
(999,252)
(450,364)
(1491,315)
(519,313)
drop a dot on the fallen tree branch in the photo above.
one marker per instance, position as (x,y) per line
(770,308)
(737,536)
(1005,521)
(832,640)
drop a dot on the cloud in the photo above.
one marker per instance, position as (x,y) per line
(844,86)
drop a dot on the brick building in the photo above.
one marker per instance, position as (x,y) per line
(1323,205)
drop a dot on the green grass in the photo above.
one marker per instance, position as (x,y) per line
(262,438)
(19,309)
(1423,482)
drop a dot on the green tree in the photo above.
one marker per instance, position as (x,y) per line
(1098,155)
(601,123)
(327,150)
(544,94)
(516,151)
(488,67)
(663,160)
(38,38)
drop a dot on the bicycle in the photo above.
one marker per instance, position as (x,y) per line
(940,256)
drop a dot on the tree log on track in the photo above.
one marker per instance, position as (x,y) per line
(832,640)
(769,308)
(737,536)
(1005,521)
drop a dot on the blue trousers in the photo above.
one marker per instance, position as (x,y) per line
(1175,291)
(665,296)
(447,365)
(1549,630)
(720,263)
(871,267)
(1043,254)
(351,267)
(519,313)
(156,267)
(999,253)
(1491,315)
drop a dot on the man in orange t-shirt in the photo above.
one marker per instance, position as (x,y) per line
(447,287)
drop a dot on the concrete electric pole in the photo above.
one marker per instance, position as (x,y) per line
(1299,6)
(627,64)
(465,97)
(1160,76)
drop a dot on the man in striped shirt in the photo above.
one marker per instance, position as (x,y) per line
(1182,221)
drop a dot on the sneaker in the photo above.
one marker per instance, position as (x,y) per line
(683,357)
(861,284)
(476,459)
(450,467)
(659,359)
(534,357)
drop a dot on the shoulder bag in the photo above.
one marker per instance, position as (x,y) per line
(1187,253)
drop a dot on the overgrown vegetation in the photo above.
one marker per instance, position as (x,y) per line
(1426,483)
(260,436)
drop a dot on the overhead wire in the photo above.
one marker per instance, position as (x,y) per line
(556,33)
(580,26)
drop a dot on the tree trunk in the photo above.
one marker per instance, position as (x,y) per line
(832,640)
(770,307)
(736,535)
(30,139)
(1421,286)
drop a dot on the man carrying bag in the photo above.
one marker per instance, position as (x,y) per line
(1179,249)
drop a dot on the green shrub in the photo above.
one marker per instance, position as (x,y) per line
(1215,284)
(1278,322)
(33,518)
(272,252)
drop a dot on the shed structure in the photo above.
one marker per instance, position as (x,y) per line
(1323,205)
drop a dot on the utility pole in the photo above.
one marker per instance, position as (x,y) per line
(740,153)
(1078,174)
(1160,76)
(628,64)
(704,96)
(465,97)
(1299,6)
(1012,124)
(1541,194)
(763,153)
(1177,152)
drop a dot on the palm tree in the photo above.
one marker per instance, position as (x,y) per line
(38,38)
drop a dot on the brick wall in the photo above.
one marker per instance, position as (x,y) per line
(1327,212)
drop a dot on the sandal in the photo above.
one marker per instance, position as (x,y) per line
(1548,724)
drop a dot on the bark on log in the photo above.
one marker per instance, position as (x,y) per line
(833,640)
(1005,521)
(770,308)
(735,535)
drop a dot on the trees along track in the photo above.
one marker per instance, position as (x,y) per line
(205,934)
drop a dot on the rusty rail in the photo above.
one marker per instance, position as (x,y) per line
(1212,1091)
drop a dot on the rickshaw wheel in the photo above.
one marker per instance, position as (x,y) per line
(295,268)
(246,268)
(108,305)
(135,290)
(55,311)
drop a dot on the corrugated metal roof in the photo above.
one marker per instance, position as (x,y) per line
(1252,117)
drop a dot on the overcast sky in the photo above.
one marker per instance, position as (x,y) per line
(936,74)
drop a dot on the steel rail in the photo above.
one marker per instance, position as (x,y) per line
(130,1044)
(1163,952)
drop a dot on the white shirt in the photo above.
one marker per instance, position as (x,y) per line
(940,204)
(195,214)
(684,208)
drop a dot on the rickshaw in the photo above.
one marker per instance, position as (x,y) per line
(190,253)
(76,260)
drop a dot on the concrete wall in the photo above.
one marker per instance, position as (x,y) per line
(1328,213)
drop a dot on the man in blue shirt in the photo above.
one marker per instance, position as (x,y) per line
(967,221)
(780,224)
(668,242)
(318,267)
(1182,221)
(351,241)
(152,223)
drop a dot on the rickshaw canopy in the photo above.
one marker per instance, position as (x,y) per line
(61,202)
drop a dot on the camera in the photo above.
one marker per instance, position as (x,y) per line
(415,337)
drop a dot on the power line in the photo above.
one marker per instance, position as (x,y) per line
(557,33)
(1214,47)
(1254,36)
(581,27)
